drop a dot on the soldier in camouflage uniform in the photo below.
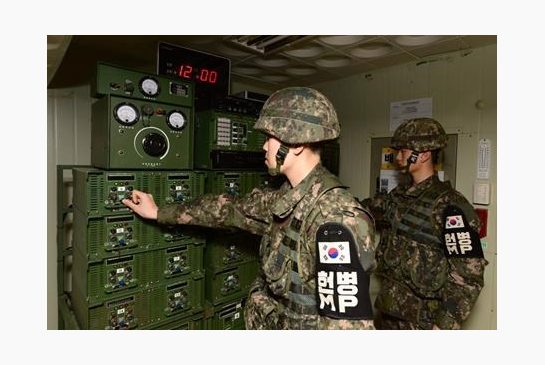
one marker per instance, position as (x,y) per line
(317,241)
(430,260)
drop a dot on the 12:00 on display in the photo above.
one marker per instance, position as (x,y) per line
(203,74)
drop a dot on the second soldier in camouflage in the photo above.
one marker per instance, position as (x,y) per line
(430,260)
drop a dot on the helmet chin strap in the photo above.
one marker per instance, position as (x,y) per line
(412,159)
(280,157)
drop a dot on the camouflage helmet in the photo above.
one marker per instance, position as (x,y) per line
(420,135)
(298,115)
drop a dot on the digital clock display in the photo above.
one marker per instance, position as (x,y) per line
(203,74)
(209,73)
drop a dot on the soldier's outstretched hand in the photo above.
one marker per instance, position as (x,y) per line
(142,204)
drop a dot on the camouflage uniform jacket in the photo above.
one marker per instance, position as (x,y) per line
(419,283)
(288,220)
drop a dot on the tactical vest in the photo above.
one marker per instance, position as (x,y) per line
(416,220)
(412,263)
(281,266)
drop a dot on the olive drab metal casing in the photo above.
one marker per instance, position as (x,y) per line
(129,272)
(141,121)
(155,306)
(227,141)
(98,238)
(228,316)
(114,80)
(238,183)
(99,193)
(230,284)
(225,250)
(140,134)
(111,277)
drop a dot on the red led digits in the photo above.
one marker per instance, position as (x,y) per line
(208,76)
(185,73)
(213,77)
(204,75)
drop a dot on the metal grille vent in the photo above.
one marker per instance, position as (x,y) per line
(267,44)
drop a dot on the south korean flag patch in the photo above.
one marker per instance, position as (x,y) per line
(454,221)
(459,239)
(334,252)
(342,286)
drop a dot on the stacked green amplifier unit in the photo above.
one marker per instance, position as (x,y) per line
(231,258)
(231,152)
(128,272)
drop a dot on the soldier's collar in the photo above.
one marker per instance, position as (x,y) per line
(420,188)
(293,196)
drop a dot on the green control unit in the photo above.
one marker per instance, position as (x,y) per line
(150,307)
(230,284)
(225,250)
(180,322)
(229,316)
(141,134)
(114,80)
(238,183)
(98,238)
(100,280)
(99,192)
(227,141)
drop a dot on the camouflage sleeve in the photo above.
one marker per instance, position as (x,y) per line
(465,278)
(377,206)
(358,224)
(251,212)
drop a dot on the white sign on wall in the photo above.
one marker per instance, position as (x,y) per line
(401,111)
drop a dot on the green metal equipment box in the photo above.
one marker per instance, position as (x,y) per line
(144,308)
(111,277)
(228,141)
(238,183)
(225,250)
(195,322)
(230,284)
(99,192)
(229,316)
(114,80)
(98,238)
(141,134)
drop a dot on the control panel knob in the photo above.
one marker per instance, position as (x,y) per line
(154,144)
(147,110)
(129,87)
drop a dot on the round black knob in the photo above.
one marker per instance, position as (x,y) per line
(154,144)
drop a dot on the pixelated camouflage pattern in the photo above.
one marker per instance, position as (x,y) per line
(420,135)
(262,312)
(270,213)
(298,115)
(420,286)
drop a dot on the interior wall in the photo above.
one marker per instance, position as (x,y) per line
(68,143)
(463,88)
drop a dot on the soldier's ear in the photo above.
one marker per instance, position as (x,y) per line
(424,156)
(297,150)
